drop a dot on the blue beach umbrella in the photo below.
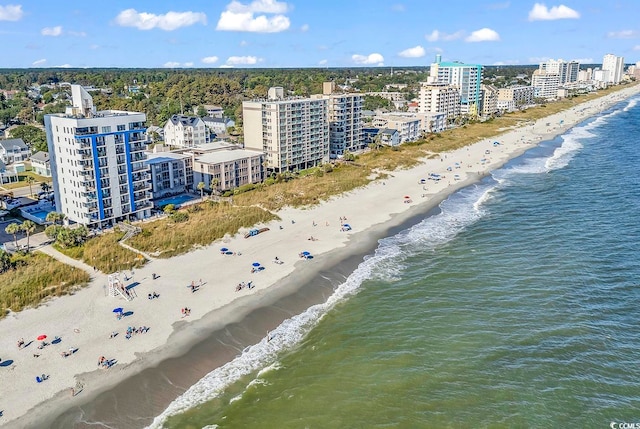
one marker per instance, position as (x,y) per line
(228,252)
(256,264)
(305,253)
(224,249)
(118,310)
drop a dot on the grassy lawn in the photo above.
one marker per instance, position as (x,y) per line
(35,278)
(22,181)
(207,222)
(104,253)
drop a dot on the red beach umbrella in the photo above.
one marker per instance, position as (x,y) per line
(41,337)
(407,196)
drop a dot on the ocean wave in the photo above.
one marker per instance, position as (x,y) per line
(632,103)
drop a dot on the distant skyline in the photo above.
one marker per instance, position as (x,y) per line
(310,33)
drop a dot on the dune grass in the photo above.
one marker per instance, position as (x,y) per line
(207,222)
(36,277)
(104,253)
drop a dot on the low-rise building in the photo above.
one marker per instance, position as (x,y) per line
(171,173)
(13,150)
(212,111)
(389,137)
(225,170)
(408,126)
(41,164)
(185,131)
(217,125)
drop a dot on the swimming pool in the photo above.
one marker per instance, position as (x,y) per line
(40,214)
(177,201)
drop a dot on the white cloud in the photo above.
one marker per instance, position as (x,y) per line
(244,43)
(11,12)
(188,64)
(506,63)
(246,60)
(304,28)
(171,64)
(585,60)
(415,52)
(51,31)
(483,35)
(241,17)
(39,62)
(636,48)
(322,62)
(63,66)
(540,12)
(374,58)
(624,34)
(210,60)
(167,22)
(438,35)
(225,66)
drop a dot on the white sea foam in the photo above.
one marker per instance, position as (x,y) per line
(632,103)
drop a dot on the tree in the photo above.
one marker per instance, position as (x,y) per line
(28,227)
(200,187)
(5,261)
(35,137)
(13,229)
(202,111)
(45,186)
(214,185)
(30,181)
(55,217)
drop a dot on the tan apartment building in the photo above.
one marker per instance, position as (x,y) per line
(439,97)
(292,132)
(489,100)
(516,96)
(345,120)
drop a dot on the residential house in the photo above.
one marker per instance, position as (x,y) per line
(7,174)
(389,137)
(185,131)
(217,125)
(41,164)
(14,150)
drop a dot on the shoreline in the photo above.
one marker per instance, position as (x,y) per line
(372,211)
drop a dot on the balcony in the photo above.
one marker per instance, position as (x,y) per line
(85,131)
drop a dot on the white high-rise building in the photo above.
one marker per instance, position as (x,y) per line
(97,163)
(567,71)
(615,67)
(292,132)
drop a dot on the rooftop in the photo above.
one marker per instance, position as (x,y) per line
(227,156)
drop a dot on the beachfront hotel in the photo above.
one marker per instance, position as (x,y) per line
(466,77)
(439,97)
(613,66)
(545,84)
(345,120)
(293,132)
(567,71)
(97,163)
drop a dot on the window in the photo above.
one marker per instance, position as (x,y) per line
(121,127)
(106,129)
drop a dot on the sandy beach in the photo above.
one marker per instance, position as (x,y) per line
(220,288)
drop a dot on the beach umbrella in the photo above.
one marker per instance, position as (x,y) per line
(224,249)
(118,310)
(228,252)
(407,196)
(305,253)
(41,337)
(256,264)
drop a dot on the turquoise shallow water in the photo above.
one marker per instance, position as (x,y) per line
(516,306)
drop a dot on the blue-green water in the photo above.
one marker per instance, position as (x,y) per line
(516,306)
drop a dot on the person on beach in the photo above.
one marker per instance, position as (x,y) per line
(21,343)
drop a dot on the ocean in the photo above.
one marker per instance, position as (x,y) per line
(513,305)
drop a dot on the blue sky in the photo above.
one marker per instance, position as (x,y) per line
(313,33)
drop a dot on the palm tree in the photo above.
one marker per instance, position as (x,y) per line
(46,187)
(55,217)
(30,181)
(201,189)
(28,227)
(214,185)
(13,229)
